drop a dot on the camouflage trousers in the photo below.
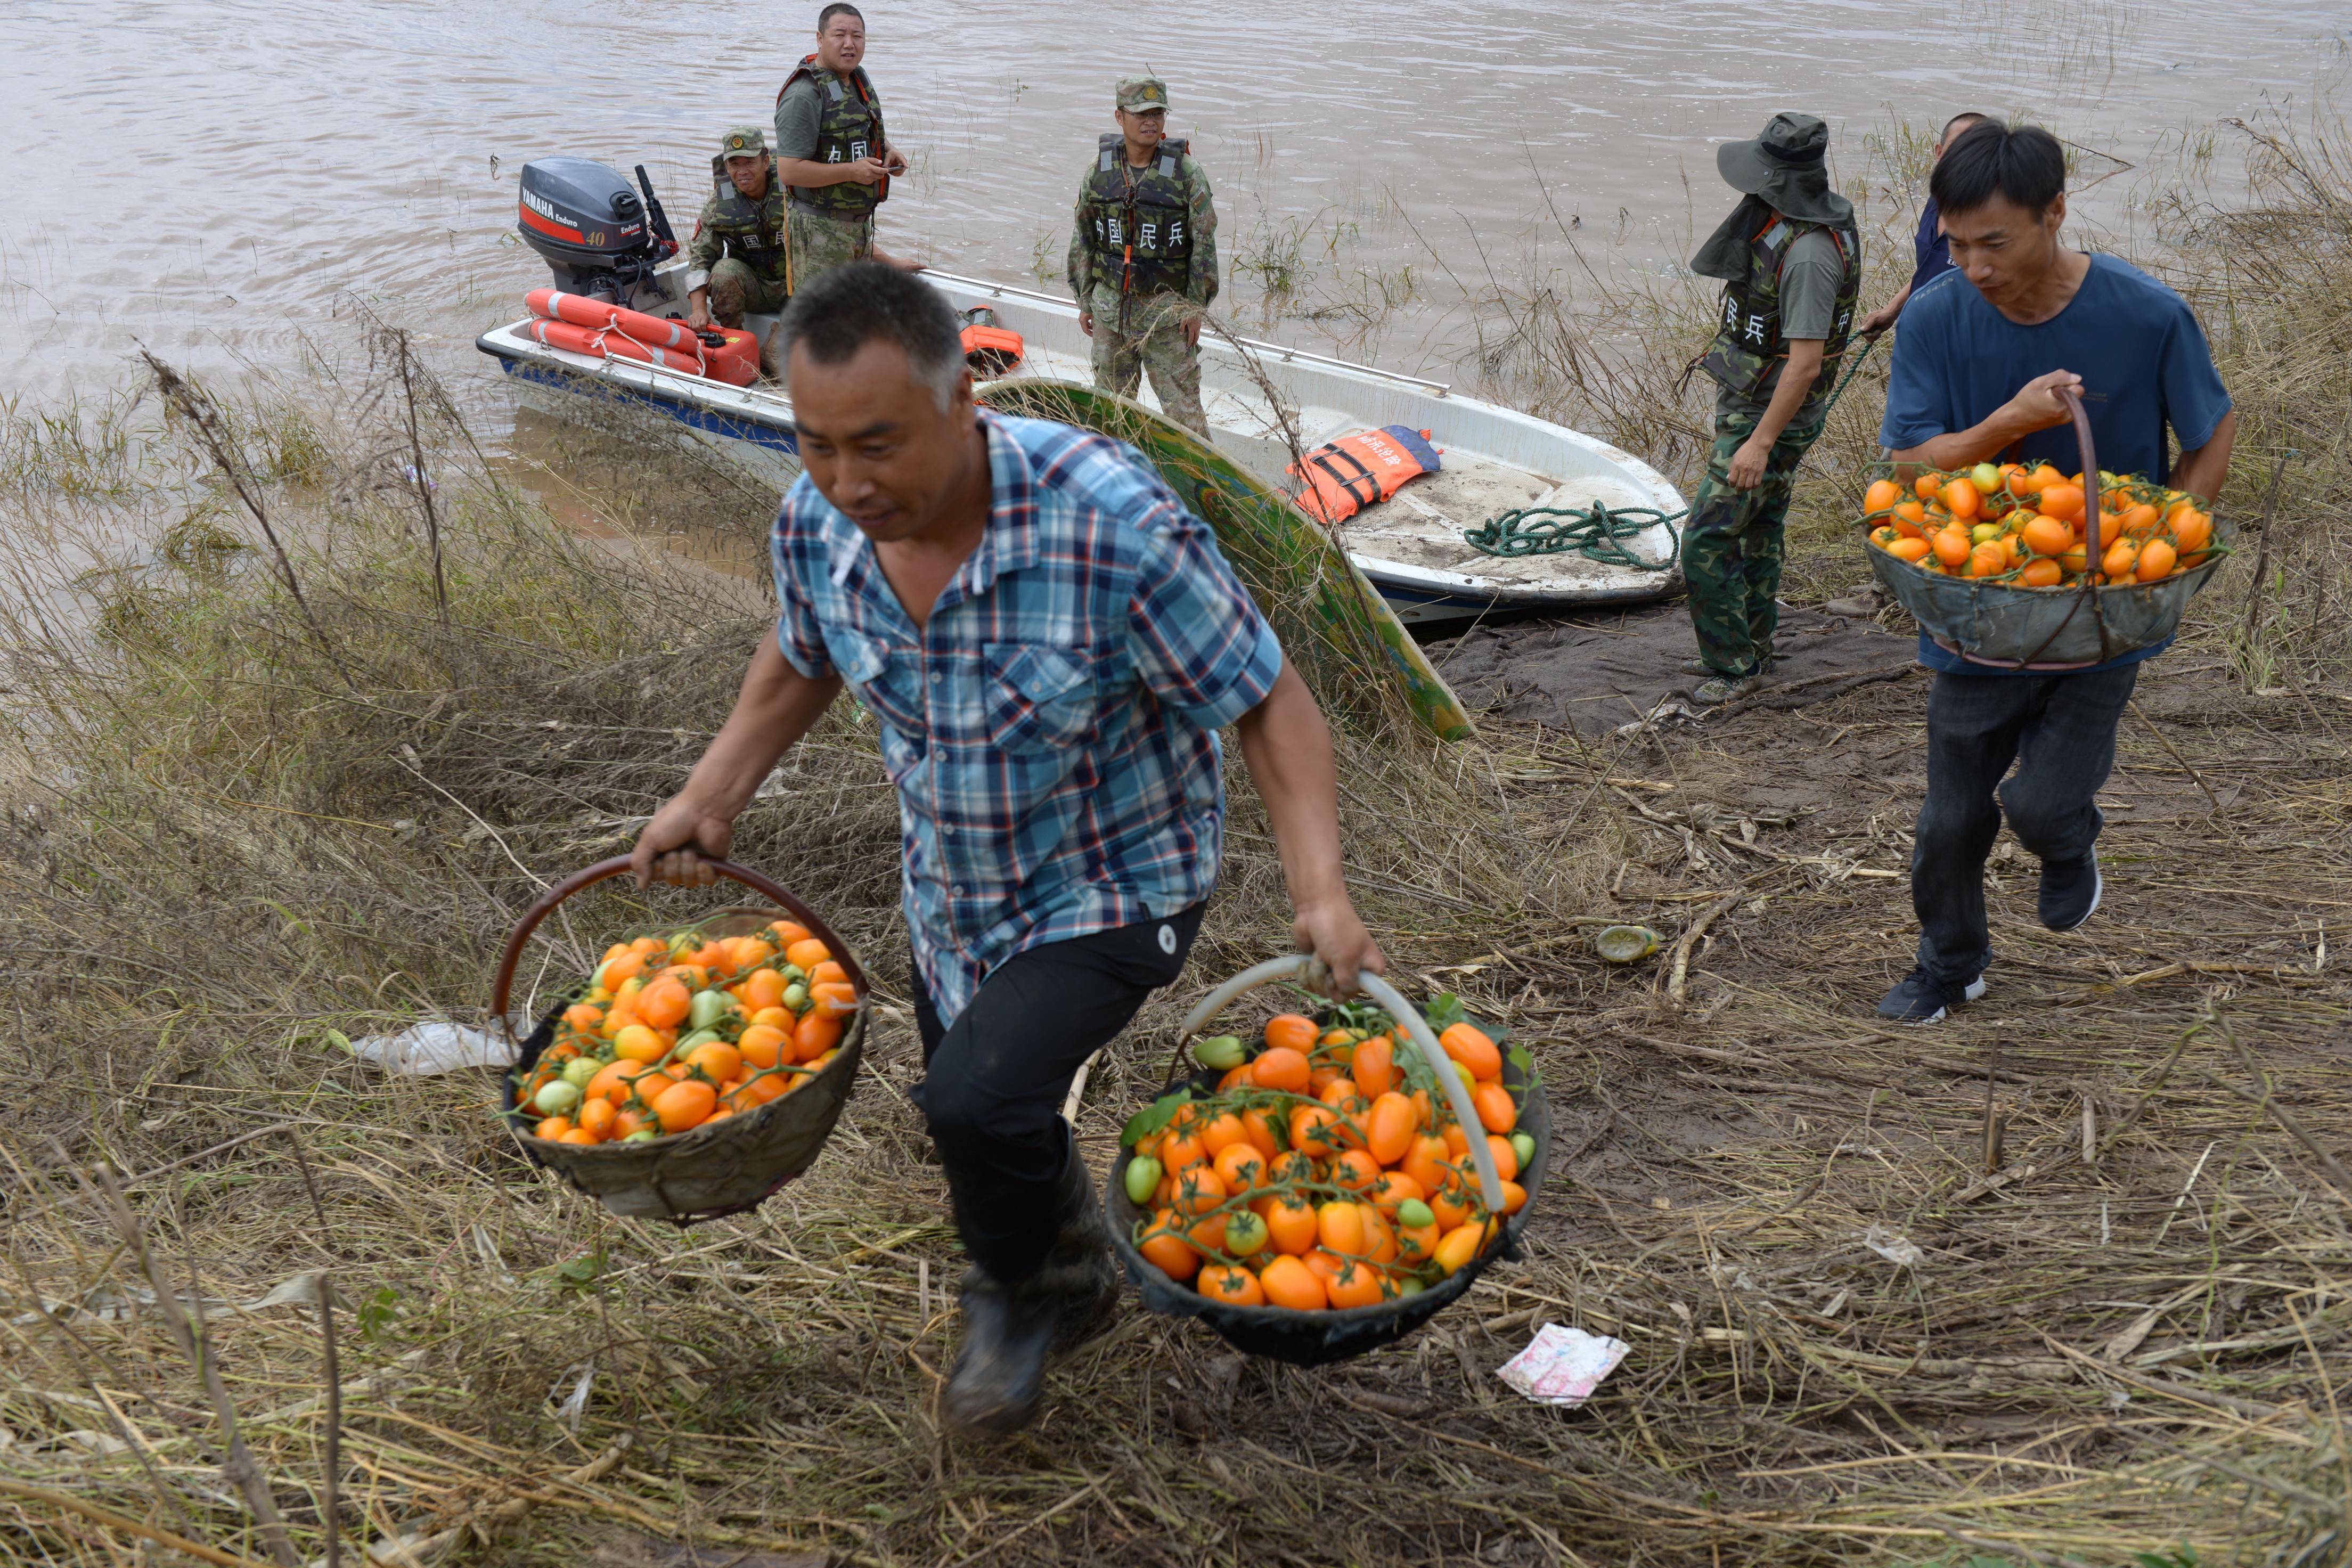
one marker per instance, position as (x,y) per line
(736,288)
(1151,337)
(820,244)
(1731,547)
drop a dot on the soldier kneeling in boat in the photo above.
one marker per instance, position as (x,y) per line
(737,261)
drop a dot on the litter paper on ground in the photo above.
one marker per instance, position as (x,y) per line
(1563,1366)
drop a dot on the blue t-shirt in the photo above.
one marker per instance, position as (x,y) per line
(1932,251)
(2134,342)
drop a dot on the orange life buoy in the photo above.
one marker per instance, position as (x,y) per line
(737,364)
(992,351)
(1345,476)
(653,331)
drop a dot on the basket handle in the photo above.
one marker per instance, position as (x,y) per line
(1408,1018)
(2073,398)
(605,870)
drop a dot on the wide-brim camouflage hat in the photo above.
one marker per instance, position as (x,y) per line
(1788,165)
(1140,94)
(744,142)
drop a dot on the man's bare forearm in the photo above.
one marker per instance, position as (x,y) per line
(776,708)
(1789,393)
(1287,747)
(1978,444)
(2203,471)
(808,174)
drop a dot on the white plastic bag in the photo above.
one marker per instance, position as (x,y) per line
(435,1046)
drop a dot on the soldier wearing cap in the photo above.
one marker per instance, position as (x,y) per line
(1143,255)
(833,152)
(1790,262)
(737,260)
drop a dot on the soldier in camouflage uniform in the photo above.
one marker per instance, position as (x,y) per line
(1143,255)
(1791,264)
(736,261)
(832,150)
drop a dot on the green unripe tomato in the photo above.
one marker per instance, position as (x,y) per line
(1985,532)
(1986,478)
(1220,1053)
(1246,1235)
(1410,1286)
(1525,1147)
(1142,1180)
(683,942)
(792,972)
(557,1097)
(699,1037)
(580,1069)
(796,997)
(645,1135)
(1413,1214)
(707,1008)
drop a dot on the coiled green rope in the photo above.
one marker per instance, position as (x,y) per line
(1597,532)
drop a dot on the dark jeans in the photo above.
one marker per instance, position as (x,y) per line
(993,1080)
(2060,730)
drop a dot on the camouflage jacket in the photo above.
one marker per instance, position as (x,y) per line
(849,127)
(1165,209)
(733,224)
(1749,347)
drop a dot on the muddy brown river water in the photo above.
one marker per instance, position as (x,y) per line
(214,180)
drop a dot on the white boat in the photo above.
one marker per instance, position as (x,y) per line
(1411,546)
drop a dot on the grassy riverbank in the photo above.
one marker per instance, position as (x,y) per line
(262,801)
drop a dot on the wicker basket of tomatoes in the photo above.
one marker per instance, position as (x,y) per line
(2015,563)
(696,1070)
(1330,1187)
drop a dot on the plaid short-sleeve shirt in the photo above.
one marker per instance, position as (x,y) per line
(1052,731)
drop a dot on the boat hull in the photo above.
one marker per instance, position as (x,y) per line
(1265,403)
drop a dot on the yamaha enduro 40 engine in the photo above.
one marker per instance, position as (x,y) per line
(601,238)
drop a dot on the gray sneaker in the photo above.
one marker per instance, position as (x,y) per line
(1724,689)
(1699,667)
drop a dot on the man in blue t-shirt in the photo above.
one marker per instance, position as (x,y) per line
(1931,252)
(1978,366)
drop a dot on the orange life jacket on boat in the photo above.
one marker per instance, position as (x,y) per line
(992,351)
(1345,476)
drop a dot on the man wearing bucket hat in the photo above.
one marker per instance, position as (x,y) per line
(1047,642)
(1980,361)
(1790,262)
(735,262)
(1143,255)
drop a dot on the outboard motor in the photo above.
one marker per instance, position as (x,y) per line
(601,238)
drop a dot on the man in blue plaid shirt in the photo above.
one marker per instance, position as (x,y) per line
(1049,642)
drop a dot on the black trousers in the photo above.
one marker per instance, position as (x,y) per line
(993,1080)
(2060,730)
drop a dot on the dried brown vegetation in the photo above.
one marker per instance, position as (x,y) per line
(2114,1194)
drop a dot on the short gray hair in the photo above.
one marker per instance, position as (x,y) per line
(849,307)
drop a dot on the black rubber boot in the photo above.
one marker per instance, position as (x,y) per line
(1079,1271)
(1000,1369)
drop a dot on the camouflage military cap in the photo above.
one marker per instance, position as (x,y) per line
(744,142)
(1137,94)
